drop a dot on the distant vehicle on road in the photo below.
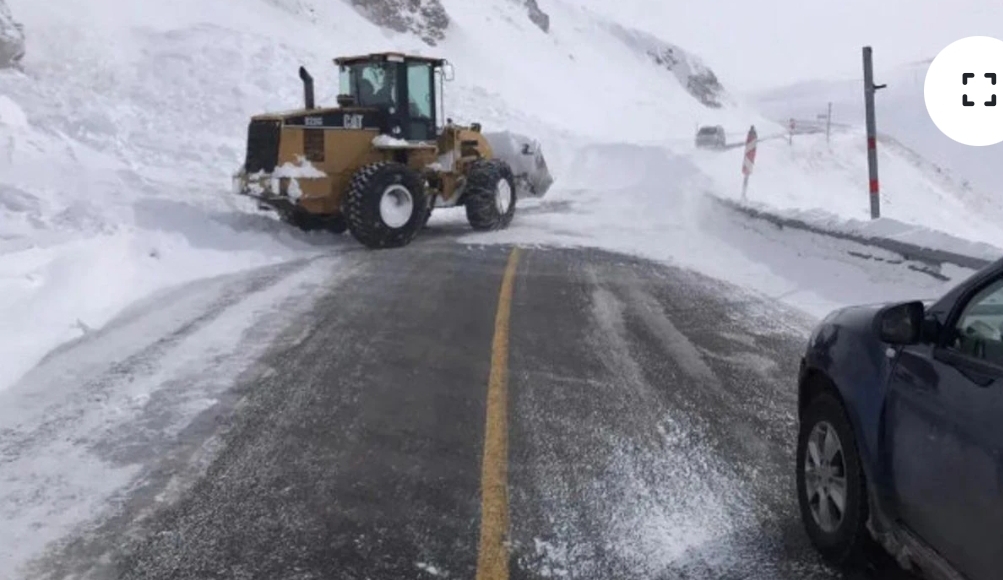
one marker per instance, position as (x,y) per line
(711,137)
(901,431)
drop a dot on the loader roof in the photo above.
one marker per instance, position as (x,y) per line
(385,56)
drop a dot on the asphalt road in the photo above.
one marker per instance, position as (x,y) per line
(641,419)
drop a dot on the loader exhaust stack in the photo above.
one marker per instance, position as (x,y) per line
(307,88)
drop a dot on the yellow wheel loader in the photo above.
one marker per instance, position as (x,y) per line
(381,160)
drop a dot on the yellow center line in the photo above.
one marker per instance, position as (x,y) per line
(492,551)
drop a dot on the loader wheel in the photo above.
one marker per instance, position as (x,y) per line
(490,195)
(386,205)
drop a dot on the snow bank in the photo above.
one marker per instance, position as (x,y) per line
(812,174)
(910,241)
(652,201)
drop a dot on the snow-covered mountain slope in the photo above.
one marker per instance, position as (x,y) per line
(970,174)
(118,140)
(759,45)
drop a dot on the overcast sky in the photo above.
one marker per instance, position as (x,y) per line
(754,45)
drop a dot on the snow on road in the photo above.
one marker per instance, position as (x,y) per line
(649,201)
(93,422)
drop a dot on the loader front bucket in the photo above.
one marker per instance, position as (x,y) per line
(525,156)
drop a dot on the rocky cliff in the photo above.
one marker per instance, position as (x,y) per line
(11,38)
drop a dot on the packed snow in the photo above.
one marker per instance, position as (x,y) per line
(390,142)
(302,169)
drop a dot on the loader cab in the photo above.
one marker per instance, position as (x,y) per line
(406,90)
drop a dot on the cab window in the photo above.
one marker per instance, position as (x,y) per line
(373,84)
(419,88)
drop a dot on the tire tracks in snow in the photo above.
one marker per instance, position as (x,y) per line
(638,453)
(142,362)
(80,432)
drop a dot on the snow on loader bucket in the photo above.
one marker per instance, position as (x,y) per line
(525,157)
(380,161)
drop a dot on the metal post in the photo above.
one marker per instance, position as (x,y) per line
(872,147)
(828,122)
(745,185)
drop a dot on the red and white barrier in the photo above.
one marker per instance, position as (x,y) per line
(750,158)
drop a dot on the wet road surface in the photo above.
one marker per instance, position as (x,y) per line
(646,417)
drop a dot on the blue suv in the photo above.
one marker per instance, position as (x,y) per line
(900,444)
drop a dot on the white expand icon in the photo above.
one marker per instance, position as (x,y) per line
(964,91)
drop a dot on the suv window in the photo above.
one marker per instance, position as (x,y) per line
(979,330)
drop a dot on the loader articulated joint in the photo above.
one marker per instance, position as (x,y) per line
(308,100)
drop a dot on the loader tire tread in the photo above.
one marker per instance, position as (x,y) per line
(362,201)
(483,178)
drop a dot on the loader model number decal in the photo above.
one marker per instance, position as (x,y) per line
(314,121)
(353,121)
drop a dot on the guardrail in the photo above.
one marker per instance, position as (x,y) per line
(909,251)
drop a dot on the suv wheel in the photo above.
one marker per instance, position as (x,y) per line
(830,483)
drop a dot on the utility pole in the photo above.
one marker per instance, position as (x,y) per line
(872,143)
(827,117)
(828,122)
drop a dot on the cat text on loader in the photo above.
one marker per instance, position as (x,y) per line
(379,162)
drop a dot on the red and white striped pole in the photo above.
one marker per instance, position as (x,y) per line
(749,160)
(872,140)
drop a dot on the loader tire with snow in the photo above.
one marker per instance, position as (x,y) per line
(386,205)
(490,195)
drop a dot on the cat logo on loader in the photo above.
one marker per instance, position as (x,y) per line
(379,162)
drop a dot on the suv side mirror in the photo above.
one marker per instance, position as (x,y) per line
(900,323)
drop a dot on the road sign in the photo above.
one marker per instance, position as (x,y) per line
(750,151)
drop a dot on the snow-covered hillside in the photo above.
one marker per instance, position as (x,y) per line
(829,181)
(760,45)
(118,140)
(972,173)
